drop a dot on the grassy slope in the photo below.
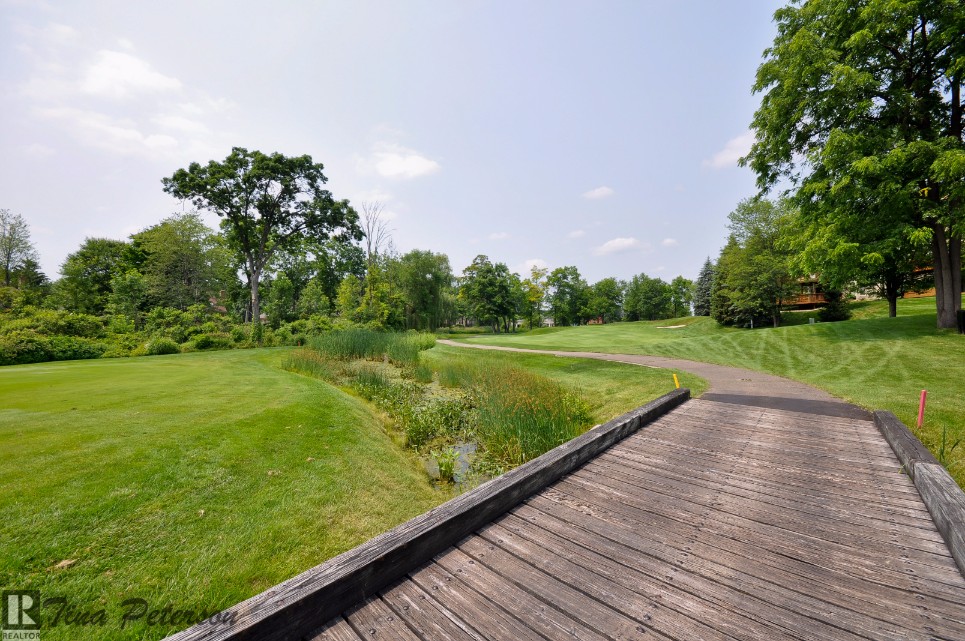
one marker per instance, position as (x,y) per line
(611,389)
(873,361)
(112,462)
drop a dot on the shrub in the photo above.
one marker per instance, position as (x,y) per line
(835,310)
(27,346)
(212,341)
(162,345)
(23,346)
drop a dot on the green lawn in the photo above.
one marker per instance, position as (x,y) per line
(198,480)
(872,360)
(195,480)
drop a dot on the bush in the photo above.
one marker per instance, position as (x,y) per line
(56,323)
(162,345)
(835,310)
(27,346)
(212,341)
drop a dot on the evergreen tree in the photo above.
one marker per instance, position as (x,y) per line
(703,288)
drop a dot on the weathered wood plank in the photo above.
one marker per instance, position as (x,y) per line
(489,619)
(780,547)
(946,502)
(682,610)
(920,534)
(744,574)
(664,571)
(294,607)
(337,629)
(429,619)
(501,591)
(719,467)
(561,595)
(378,622)
(846,507)
(908,449)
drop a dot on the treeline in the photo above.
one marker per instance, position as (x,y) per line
(280,269)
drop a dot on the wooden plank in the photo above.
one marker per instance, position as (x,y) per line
(376,621)
(828,516)
(803,598)
(845,506)
(662,569)
(487,618)
(716,467)
(337,629)
(908,449)
(501,591)
(781,547)
(561,595)
(946,502)
(429,619)
(754,517)
(685,613)
(304,602)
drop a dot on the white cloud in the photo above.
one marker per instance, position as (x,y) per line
(617,246)
(38,151)
(598,193)
(732,151)
(119,75)
(180,123)
(576,233)
(669,242)
(499,235)
(395,161)
(526,267)
(110,134)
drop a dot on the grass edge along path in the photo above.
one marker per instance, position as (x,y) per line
(193,480)
(872,361)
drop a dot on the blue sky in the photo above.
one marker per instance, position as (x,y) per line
(597,134)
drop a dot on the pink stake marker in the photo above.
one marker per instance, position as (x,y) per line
(921,408)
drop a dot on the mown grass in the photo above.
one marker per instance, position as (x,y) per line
(872,360)
(195,480)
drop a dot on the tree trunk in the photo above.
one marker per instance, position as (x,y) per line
(891,293)
(255,306)
(948,276)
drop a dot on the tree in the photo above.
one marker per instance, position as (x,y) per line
(488,292)
(183,262)
(864,98)
(267,203)
(567,295)
(375,229)
(647,299)
(87,275)
(15,246)
(754,277)
(605,300)
(681,296)
(534,293)
(703,288)
(128,296)
(424,277)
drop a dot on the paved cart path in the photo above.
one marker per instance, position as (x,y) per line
(727,384)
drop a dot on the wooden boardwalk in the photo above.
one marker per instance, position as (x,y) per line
(716,521)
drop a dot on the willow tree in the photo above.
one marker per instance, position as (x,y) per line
(267,203)
(862,116)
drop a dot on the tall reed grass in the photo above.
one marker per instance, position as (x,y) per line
(350,344)
(520,415)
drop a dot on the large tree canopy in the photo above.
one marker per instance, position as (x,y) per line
(267,203)
(862,114)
